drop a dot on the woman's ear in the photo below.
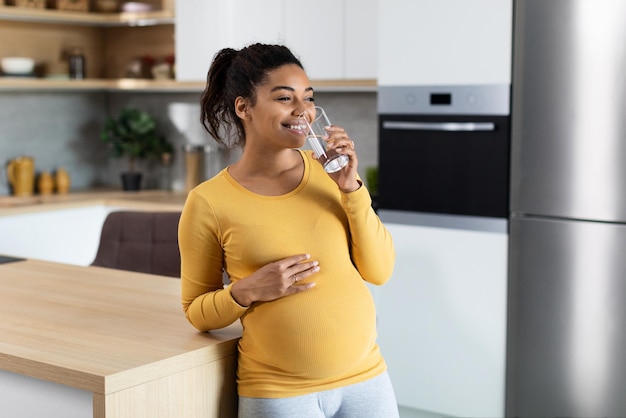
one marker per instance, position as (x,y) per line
(242,107)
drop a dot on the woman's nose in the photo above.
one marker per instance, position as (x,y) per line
(304,110)
(305,115)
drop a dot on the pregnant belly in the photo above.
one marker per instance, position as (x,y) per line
(310,334)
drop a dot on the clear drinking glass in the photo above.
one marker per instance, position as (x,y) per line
(315,133)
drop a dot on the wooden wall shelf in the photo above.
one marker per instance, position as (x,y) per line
(172,86)
(160,17)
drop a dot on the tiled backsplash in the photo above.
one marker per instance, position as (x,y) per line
(62,129)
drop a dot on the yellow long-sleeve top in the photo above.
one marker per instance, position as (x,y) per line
(315,340)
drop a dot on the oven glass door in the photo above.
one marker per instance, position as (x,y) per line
(445,164)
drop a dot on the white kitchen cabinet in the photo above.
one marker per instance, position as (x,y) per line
(68,236)
(334,39)
(26,397)
(445,42)
(361,37)
(257,21)
(201,29)
(315,32)
(442,320)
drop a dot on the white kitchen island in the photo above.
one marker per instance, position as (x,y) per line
(66,227)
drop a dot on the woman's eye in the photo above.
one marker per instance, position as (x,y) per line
(284,99)
(310,99)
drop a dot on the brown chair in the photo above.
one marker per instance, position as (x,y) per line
(146,242)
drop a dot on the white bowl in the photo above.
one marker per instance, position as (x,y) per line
(136,7)
(17,65)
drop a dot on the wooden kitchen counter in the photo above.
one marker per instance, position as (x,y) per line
(119,334)
(140,200)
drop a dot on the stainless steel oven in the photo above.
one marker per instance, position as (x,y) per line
(445,149)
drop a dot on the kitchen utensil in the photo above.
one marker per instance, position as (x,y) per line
(31,4)
(21,175)
(162,71)
(17,65)
(75,5)
(45,183)
(62,181)
(136,7)
(107,6)
(76,63)
(194,164)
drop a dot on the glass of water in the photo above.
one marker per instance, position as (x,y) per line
(315,134)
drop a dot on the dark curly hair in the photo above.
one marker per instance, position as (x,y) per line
(232,74)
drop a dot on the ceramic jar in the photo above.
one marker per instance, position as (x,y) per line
(62,180)
(45,183)
(21,175)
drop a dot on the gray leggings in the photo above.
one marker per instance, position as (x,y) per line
(373,398)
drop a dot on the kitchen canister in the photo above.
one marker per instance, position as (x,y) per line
(194,164)
(21,175)
(62,181)
(76,63)
(45,183)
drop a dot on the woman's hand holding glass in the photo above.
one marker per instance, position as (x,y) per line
(339,141)
(333,148)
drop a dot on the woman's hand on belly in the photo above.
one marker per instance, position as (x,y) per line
(275,280)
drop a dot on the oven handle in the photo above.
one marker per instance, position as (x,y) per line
(440,126)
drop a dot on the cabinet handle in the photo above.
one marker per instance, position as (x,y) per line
(441,126)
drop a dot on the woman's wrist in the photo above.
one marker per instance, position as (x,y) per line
(239,295)
(352,188)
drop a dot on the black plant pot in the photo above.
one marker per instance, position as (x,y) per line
(374,202)
(131,181)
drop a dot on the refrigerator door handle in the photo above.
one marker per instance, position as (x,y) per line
(440,126)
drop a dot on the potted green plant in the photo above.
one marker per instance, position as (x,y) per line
(133,135)
(371,179)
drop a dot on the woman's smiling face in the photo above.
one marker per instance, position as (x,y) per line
(273,119)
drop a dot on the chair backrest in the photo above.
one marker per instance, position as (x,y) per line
(146,242)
